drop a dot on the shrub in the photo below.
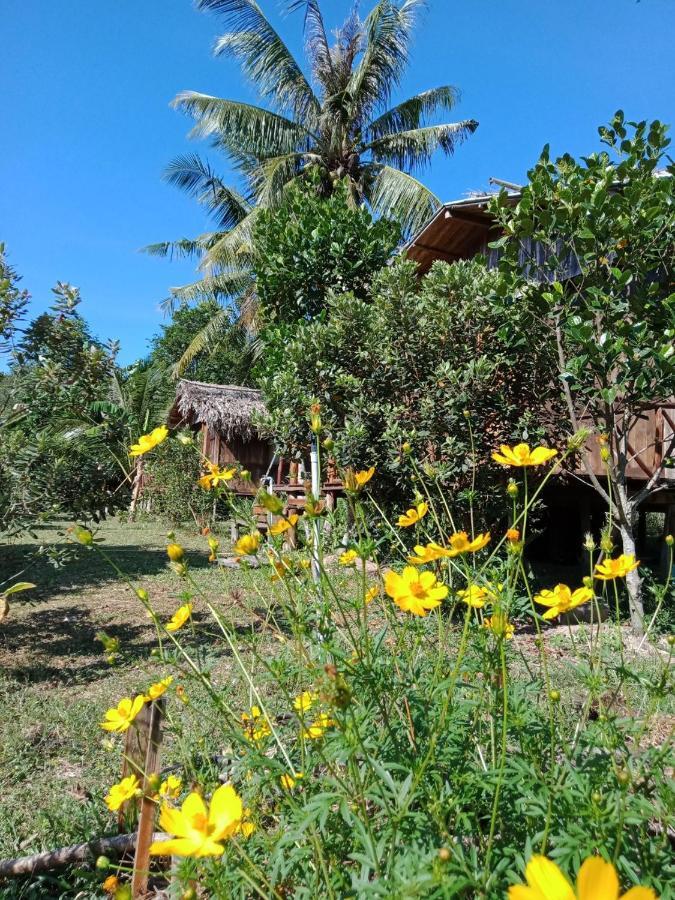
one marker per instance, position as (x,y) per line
(170,487)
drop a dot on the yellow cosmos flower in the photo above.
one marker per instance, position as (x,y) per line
(119,793)
(215,475)
(372,593)
(428,554)
(148,442)
(180,617)
(214,544)
(475,596)
(158,688)
(616,568)
(171,787)
(460,543)
(562,599)
(414,591)
(320,725)
(348,558)
(200,831)
(500,626)
(305,701)
(256,727)
(288,782)
(119,718)
(248,545)
(521,455)
(597,880)
(355,481)
(413,515)
(284,525)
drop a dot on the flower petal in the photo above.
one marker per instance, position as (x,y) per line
(544,876)
(597,880)
(226,809)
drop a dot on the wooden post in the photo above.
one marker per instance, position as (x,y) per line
(141,757)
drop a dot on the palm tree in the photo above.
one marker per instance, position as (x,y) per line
(338,121)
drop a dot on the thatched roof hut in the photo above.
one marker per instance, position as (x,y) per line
(225,416)
(224,408)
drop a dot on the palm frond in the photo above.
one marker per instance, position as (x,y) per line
(263,55)
(233,249)
(413,113)
(191,174)
(412,150)
(275,175)
(387,34)
(317,47)
(202,341)
(183,248)
(240,126)
(401,197)
(221,287)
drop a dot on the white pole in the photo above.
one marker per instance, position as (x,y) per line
(316,494)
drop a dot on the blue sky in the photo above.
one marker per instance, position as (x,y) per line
(87,128)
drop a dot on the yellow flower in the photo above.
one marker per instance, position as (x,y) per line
(180,617)
(288,781)
(316,730)
(348,558)
(175,552)
(198,831)
(256,727)
(364,476)
(111,884)
(120,793)
(414,591)
(149,441)
(521,455)
(562,599)
(355,481)
(305,701)
(616,568)
(215,475)
(430,553)
(475,596)
(170,787)
(158,688)
(512,535)
(248,544)
(284,524)
(119,718)
(460,543)
(214,544)
(372,593)
(413,515)
(597,880)
(500,626)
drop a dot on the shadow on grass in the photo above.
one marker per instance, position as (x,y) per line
(84,568)
(60,647)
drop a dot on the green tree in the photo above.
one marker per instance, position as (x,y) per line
(313,245)
(203,343)
(338,122)
(407,365)
(589,251)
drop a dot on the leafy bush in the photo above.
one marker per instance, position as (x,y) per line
(171,488)
(407,366)
(384,733)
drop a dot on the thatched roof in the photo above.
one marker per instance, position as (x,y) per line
(224,408)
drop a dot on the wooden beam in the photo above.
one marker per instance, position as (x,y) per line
(453,257)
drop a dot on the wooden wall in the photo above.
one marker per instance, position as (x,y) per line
(254,455)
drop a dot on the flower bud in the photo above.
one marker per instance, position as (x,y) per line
(623,777)
(328,444)
(578,439)
(142,594)
(153,782)
(512,488)
(83,536)
(185,439)
(245,475)
(606,543)
(170,535)
(444,854)
(406,448)
(103,863)
(589,543)
(596,797)
(554,696)
(175,552)
(587,582)
(189,894)
(180,569)
(670,540)
(671,640)
(604,454)
(467,414)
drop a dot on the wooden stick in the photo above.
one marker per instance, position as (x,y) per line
(152,725)
(66,856)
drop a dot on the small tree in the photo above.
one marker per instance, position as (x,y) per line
(589,251)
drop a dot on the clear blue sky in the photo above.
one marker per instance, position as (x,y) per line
(87,129)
